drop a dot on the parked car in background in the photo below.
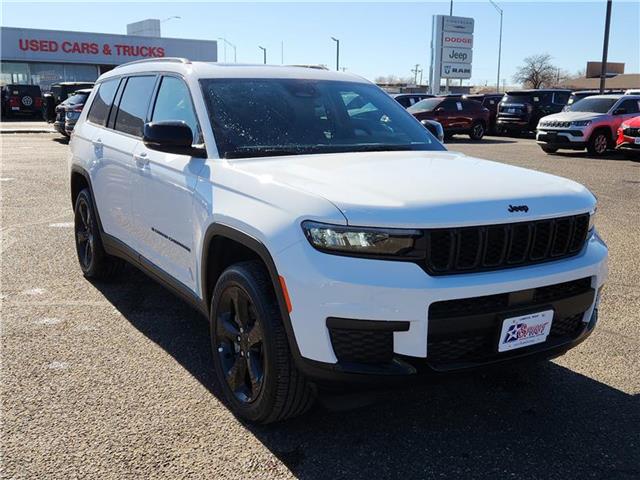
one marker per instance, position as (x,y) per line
(628,139)
(632,91)
(580,94)
(62,90)
(590,123)
(408,99)
(68,112)
(520,111)
(489,101)
(456,114)
(23,100)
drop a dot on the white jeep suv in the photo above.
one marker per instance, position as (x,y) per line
(590,123)
(327,236)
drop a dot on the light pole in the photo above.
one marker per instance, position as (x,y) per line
(264,54)
(605,48)
(337,52)
(235,52)
(172,17)
(499,44)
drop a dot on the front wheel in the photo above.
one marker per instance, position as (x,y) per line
(548,149)
(598,144)
(477,131)
(251,354)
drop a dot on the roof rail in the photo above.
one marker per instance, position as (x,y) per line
(157,59)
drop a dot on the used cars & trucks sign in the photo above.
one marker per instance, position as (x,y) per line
(55,46)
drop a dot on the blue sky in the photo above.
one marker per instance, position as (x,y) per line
(377,38)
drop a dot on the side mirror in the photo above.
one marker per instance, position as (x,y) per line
(438,110)
(620,111)
(171,136)
(435,128)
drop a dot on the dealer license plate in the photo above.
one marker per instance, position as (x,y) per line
(525,330)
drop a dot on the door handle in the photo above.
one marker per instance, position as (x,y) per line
(97,142)
(141,160)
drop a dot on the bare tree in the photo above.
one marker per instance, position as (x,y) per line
(537,71)
(392,79)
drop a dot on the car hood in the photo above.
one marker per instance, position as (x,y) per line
(423,189)
(573,116)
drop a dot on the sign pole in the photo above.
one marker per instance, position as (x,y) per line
(605,48)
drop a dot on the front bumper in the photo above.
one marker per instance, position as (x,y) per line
(572,139)
(323,286)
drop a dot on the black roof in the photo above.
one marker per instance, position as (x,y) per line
(533,90)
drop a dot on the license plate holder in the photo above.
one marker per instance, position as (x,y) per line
(525,330)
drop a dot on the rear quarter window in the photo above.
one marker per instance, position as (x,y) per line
(99,111)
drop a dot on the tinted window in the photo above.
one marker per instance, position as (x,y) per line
(561,98)
(102,101)
(425,105)
(132,111)
(76,98)
(451,106)
(258,117)
(631,106)
(405,101)
(174,103)
(592,104)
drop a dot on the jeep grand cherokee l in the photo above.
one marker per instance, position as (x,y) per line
(324,233)
(520,111)
(590,123)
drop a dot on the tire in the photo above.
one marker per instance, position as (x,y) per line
(598,143)
(548,149)
(477,131)
(95,263)
(257,343)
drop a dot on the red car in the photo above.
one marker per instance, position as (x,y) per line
(456,114)
(628,139)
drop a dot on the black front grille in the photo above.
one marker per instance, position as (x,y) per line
(631,132)
(491,247)
(362,346)
(493,303)
(467,329)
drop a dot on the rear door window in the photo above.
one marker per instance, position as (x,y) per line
(631,106)
(102,101)
(134,105)
(561,98)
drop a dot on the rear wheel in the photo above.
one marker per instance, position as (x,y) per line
(477,131)
(598,143)
(94,261)
(251,354)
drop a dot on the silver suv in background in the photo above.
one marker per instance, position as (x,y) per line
(589,123)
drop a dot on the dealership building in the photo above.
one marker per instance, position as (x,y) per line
(44,57)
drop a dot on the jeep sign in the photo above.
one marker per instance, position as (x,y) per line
(459,55)
(451,49)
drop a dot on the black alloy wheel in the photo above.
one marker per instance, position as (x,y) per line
(85,235)
(240,345)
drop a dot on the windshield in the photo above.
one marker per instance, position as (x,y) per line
(262,117)
(592,104)
(425,105)
(76,99)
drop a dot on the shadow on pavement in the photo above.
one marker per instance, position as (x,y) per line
(537,421)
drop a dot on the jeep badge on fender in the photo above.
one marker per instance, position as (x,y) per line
(518,208)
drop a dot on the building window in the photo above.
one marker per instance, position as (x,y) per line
(14,73)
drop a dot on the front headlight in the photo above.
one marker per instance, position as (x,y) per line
(592,220)
(581,123)
(381,242)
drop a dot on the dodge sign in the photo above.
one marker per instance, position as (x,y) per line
(451,49)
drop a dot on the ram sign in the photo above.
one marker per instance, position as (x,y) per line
(451,49)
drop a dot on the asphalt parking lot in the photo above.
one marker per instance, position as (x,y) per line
(113,380)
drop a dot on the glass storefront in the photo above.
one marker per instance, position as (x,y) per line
(45,74)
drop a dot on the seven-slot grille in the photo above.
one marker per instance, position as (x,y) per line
(492,247)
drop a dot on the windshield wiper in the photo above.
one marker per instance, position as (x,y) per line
(272,151)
